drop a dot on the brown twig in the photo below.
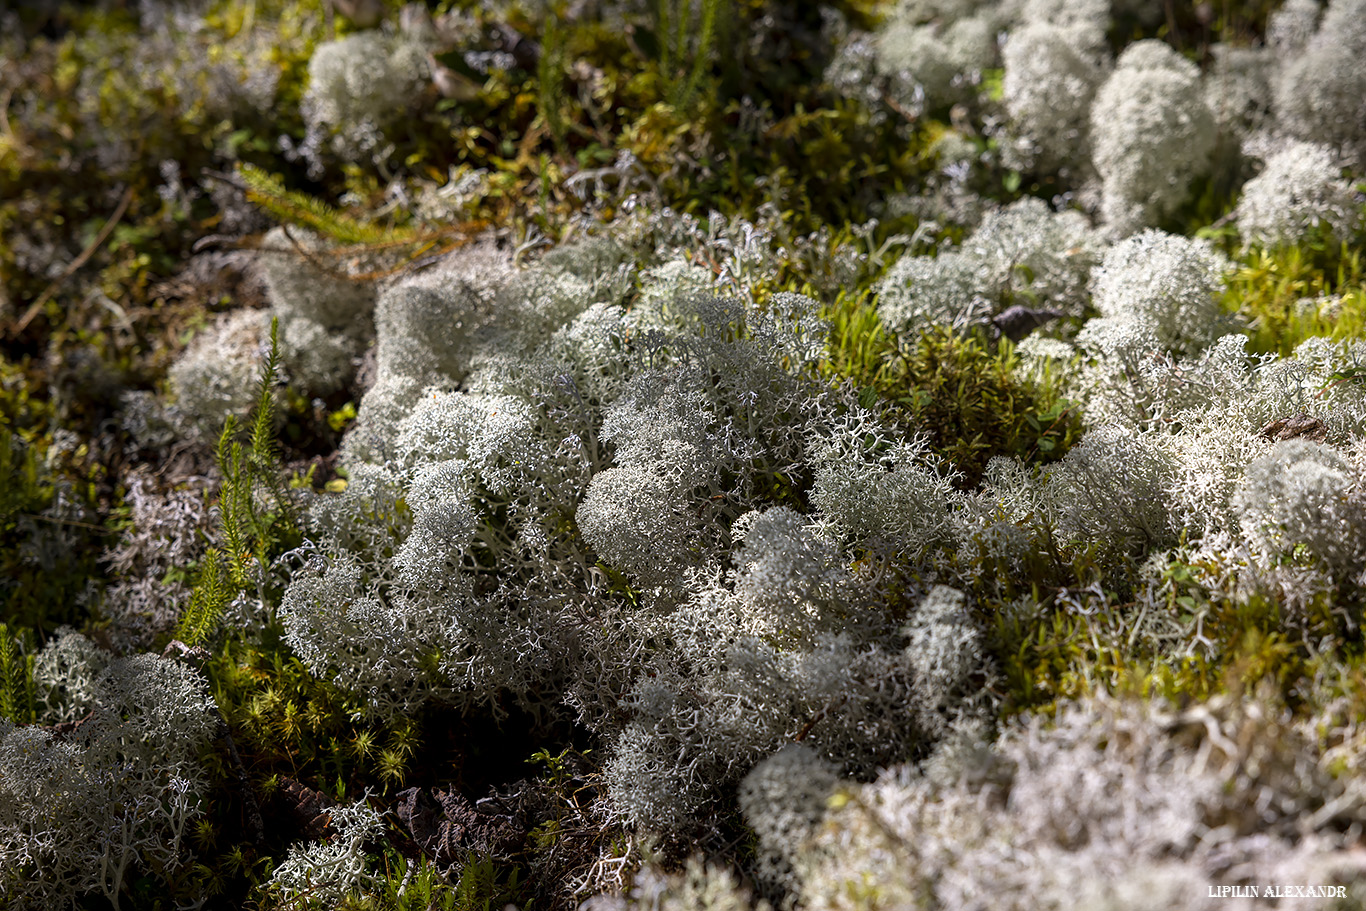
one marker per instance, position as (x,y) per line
(57,521)
(1066,412)
(320,266)
(229,179)
(79,261)
(896,106)
(213,241)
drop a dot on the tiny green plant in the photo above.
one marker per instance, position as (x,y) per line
(16,679)
(550,79)
(686,41)
(249,533)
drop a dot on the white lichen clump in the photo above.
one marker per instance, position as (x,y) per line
(935,59)
(216,375)
(330,871)
(1304,497)
(326,316)
(1114,805)
(1159,287)
(1320,91)
(359,86)
(1024,252)
(83,810)
(1299,191)
(1152,136)
(1050,82)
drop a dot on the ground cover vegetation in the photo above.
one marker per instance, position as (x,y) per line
(681,454)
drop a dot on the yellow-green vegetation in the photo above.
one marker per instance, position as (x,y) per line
(291,723)
(16,678)
(966,393)
(251,537)
(1054,652)
(1293,293)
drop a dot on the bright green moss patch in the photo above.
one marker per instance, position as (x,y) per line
(1298,292)
(966,393)
(974,405)
(290,722)
(1175,641)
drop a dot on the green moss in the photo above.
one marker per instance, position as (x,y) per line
(417,885)
(17,700)
(1176,641)
(290,722)
(1293,293)
(966,394)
